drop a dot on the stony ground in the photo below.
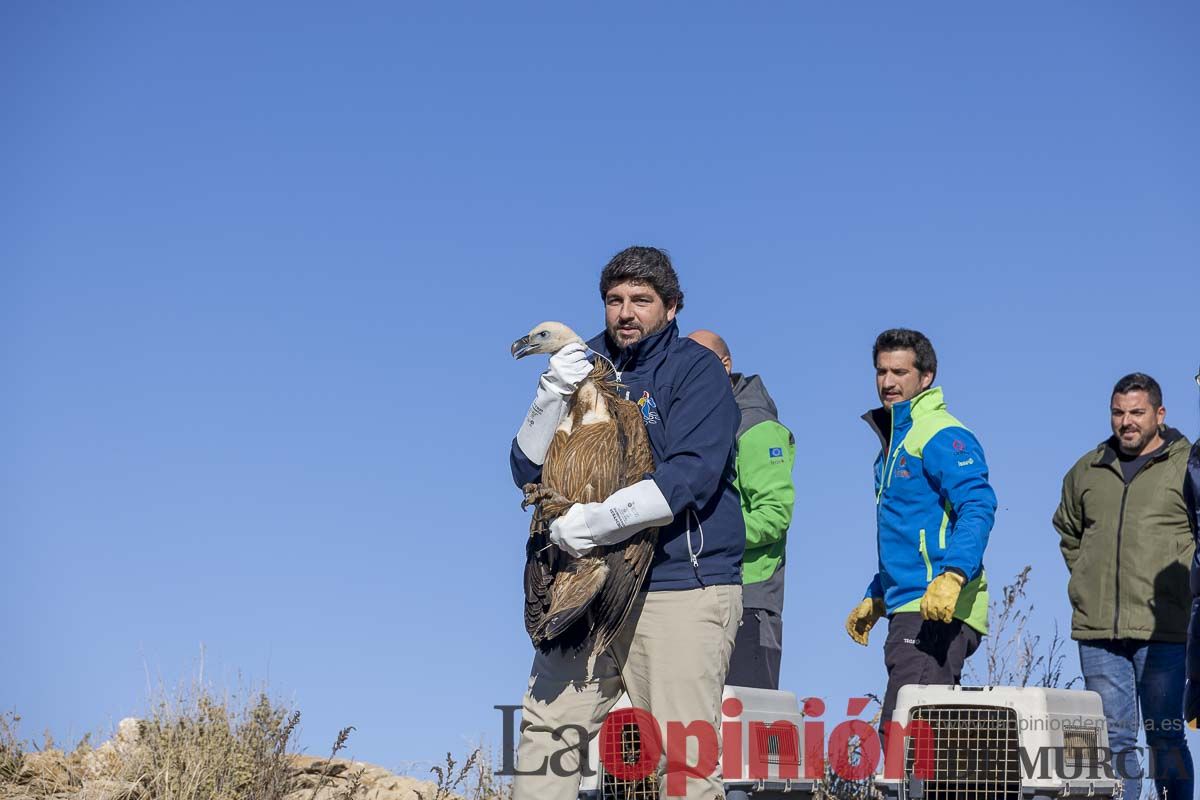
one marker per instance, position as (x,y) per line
(53,774)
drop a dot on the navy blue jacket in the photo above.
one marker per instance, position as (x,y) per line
(692,420)
(1191,493)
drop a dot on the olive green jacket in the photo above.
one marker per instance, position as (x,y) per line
(1128,547)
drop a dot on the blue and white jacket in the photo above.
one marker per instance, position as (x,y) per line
(934,506)
(692,420)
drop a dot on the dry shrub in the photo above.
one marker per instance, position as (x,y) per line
(12,752)
(208,748)
(473,778)
(196,746)
(356,779)
(484,783)
(1012,656)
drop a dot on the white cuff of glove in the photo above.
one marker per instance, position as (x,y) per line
(586,526)
(537,431)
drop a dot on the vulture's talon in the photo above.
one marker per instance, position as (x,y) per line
(533,495)
(550,503)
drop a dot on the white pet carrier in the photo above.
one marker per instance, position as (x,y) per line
(999,743)
(769,763)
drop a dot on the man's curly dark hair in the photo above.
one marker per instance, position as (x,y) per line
(644,265)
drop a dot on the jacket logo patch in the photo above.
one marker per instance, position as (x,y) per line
(966,463)
(649,409)
(775,452)
(958,445)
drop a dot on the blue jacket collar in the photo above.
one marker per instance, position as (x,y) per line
(639,352)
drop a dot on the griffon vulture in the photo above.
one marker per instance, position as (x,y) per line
(599,447)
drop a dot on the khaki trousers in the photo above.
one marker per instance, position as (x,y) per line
(671,657)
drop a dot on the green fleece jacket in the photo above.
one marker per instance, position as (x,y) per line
(1128,546)
(766,452)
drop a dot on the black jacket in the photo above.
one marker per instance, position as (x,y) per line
(1191,493)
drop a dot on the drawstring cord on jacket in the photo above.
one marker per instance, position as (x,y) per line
(694,555)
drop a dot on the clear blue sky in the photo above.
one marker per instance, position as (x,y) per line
(260,266)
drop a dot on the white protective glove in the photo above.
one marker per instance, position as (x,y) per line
(586,526)
(568,367)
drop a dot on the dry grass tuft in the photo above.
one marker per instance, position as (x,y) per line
(208,748)
(12,753)
(450,777)
(338,745)
(1012,656)
(474,778)
(195,746)
(484,783)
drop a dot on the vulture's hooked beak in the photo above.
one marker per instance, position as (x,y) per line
(522,347)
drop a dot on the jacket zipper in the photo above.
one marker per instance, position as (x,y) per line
(945,521)
(892,470)
(925,556)
(884,473)
(621,369)
(1117,579)
(1120,527)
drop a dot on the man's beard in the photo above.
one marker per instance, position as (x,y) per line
(1135,447)
(641,334)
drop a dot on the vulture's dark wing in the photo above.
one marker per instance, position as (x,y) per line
(587,469)
(629,562)
(539,574)
(541,558)
(575,587)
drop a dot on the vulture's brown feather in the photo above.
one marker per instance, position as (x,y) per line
(600,446)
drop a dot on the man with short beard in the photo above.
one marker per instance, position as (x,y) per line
(672,654)
(1125,534)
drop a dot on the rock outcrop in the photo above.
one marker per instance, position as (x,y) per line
(376,783)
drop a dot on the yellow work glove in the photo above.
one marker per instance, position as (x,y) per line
(941,597)
(863,618)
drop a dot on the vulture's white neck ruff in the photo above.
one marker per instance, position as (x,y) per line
(595,409)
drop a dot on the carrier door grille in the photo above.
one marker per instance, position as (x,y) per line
(973,754)
(780,744)
(1080,746)
(630,748)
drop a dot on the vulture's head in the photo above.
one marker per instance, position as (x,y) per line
(548,338)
